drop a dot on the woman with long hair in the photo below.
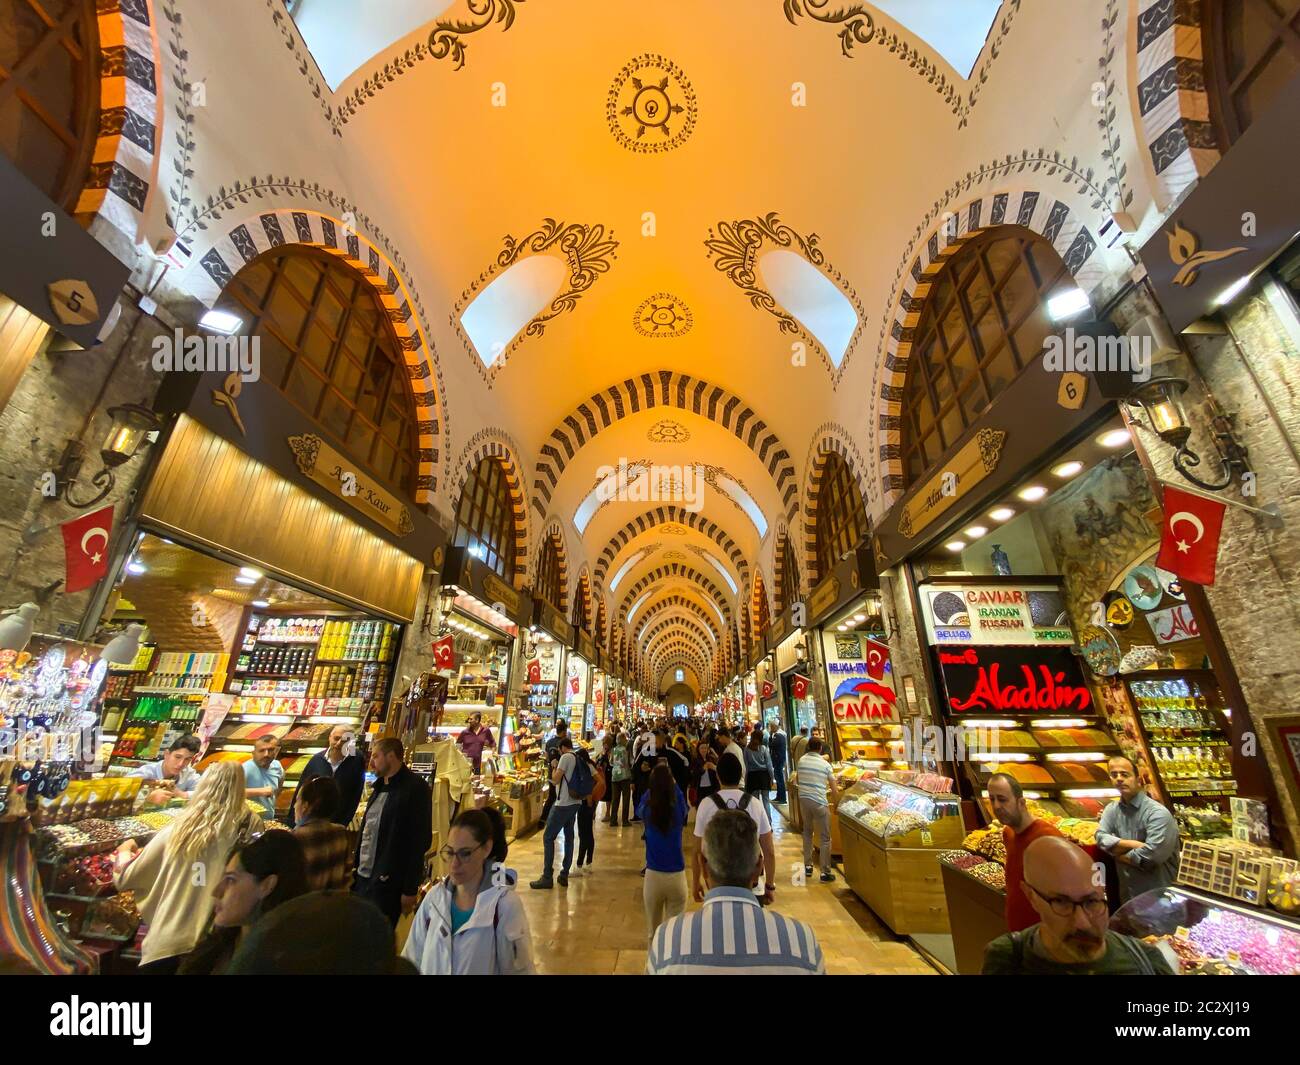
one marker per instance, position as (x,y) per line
(259,876)
(326,848)
(663,809)
(704,772)
(758,768)
(173,875)
(471,922)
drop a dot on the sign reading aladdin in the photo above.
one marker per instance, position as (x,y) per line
(996,614)
(1011,680)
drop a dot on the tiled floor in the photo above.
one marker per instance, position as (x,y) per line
(596,925)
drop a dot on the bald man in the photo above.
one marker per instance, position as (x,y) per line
(1072,937)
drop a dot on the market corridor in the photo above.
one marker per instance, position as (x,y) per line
(596,925)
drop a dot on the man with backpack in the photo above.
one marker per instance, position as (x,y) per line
(731,797)
(573,781)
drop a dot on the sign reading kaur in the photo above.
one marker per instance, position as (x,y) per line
(339,476)
(996,614)
(1014,680)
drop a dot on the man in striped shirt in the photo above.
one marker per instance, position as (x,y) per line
(732,933)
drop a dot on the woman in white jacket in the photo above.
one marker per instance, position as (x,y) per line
(472,923)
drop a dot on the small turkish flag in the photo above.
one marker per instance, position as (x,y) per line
(85,549)
(1189,541)
(534,672)
(749,698)
(444,652)
(768,690)
(877,659)
(800,686)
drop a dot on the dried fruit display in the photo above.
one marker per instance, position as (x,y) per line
(990,873)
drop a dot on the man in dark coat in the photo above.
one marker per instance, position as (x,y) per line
(776,746)
(347,770)
(395,835)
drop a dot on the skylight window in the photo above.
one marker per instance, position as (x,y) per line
(746,503)
(956,29)
(622,570)
(722,570)
(813,298)
(509,303)
(342,34)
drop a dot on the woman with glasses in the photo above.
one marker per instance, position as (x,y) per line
(259,876)
(471,923)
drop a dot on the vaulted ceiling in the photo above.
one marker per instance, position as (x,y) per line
(657,151)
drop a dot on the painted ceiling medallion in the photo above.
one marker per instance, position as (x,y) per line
(735,249)
(675,556)
(672,529)
(588,252)
(651,105)
(668,432)
(663,315)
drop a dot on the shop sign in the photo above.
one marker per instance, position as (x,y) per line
(550,619)
(585,646)
(1013,680)
(52,266)
(1174,624)
(995,614)
(497,591)
(858,701)
(972,463)
(824,596)
(1233,221)
(338,475)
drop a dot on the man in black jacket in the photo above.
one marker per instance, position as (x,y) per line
(395,835)
(346,769)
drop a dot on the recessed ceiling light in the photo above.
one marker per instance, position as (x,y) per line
(245,580)
(956,545)
(249,571)
(137,568)
(1068,303)
(1067,469)
(859,617)
(1033,493)
(1114,438)
(976,531)
(1002,514)
(221,322)
(842,627)
(261,603)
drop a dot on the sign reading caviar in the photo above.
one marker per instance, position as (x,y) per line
(995,614)
(988,681)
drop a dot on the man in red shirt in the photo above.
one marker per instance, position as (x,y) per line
(1007,798)
(475,740)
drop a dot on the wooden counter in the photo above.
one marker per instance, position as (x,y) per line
(902,885)
(977,913)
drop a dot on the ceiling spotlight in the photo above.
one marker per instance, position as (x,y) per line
(1113,438)
(1066,469)
(1068,303)
(249,571)
(842,628)
(955,545)
(1002,514)
(859,617)
(976,531)
(245,580)
(137,568)
(221,322)
(1033,493)
(261,603)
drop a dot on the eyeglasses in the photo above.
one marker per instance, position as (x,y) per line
(1064,906)
(462,855)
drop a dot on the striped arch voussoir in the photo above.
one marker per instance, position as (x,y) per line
(663,388)
(555,534)
(676,570)
(662,515)
(1041,212)
(781,579)
(676,603)
(830,440)
(679,622)
(246,241)
(124,164)
(482,447)
(582,594)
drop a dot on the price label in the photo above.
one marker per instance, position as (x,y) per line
(927,840)
(1182,933)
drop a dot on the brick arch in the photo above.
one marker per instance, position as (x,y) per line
(662,658)
(779,576)
(759,599)
(554,533)
(663,388)
(662,515)
(124,162)
(1171,103)
(1056,219)
(582,597)
(602,625)
(679,633)
(678,621)
(676,569)
(258,234)
(831,440)
(494,444)
(677,603)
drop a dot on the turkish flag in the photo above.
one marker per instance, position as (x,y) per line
(749,698)
(85,549)
(1189,541)
(768,690)
(534,672)
(877,659)
(800,686)
(444,652)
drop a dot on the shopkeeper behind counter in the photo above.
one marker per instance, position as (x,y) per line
(263,775)
(475,740)
(176,779)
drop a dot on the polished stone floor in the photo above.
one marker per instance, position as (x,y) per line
(596,925)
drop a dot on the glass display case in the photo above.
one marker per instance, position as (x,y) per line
(1213,935)
(903,816)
